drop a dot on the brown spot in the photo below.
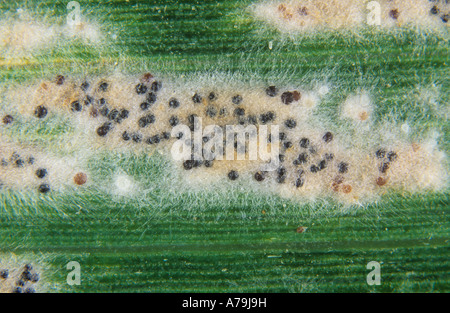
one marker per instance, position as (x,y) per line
(363,116)
(381,181)
(297,95)
(263,212)
(80,178)
(60,79)
(282,7)
(394,14)
(147,77)
(303,11)
(335,186)
(301,229)
(346,189)
(8,119)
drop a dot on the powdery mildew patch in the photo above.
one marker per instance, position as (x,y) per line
(296,16)
(122,113)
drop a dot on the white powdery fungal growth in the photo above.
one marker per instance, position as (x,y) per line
(293,16)
(86,31)
(357,107)
(123,113)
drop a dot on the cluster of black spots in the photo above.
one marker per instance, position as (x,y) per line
(290,123)
(328,156)
(193,163)
(239,112)
(267,117)
(237,99)
(40,111)
(387,158)
(233,175)
(300,181)
(156,86)
(281,175)
(17,161)
(146,120)
(103,86)
(141,89)
(7,119)
(434,10)
(196,98)
(154,139)
(287,144)
(174,103)
(88,100)
(328,137)
(445,18)
(27,277)
(287,97)
(41,173)
(271,91)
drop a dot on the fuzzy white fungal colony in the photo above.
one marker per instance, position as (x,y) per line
(120,113)
(308,15)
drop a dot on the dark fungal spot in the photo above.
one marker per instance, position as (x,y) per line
(297,95)
(394,14)
(88,100)
(28,267)
(434,10)
(327,137)
(40,111)
(156,86)
(137,138)
(208,163)
(281,157)
(211,111)
(20,283)
(197,98)
(329,156)
(223,112)
(233,175)
(252,120)
(41,173)
(26,275)
(179,135)
(282,136)
(343,167)
(84,86)
(322,165)
(147,77)
(236,99)
(281,179)
(165,135)
(445,18)
(44,188)
(272,91)
(174,103)
(151,97)
(30,290)
(103,130)
(154,140)
(113,114)
(144,106)
(17,290)
(380,153)
(287,144)
(19,163)
(384,167)
(4,274)
(212,96)
(281,171)
(259,176)
(290,123)
(173,121)
(188,164)
(146,120)
(314,169)
(7,119)
(124,113)
(299,182)
(76,106)
(103,86)
(303,11)
(302,158)
(304,142)
(239,112)
(102,101)
(392,156)
(267,117)
(104,111)
(35,278)
(125,136)
(287,97)
(60,79)
(141,89)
